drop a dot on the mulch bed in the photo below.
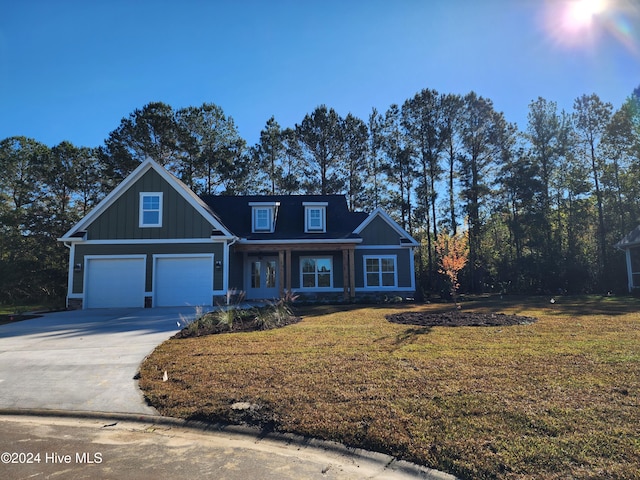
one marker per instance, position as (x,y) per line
(250,325)
(458,319)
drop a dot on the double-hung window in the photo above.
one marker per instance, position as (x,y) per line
(315,217)
(263,216)
(150,209)
(380,271)
(316,272)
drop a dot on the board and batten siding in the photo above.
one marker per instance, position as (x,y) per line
(121,219)
(149,250)
(379,232)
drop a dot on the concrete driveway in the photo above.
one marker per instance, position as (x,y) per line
(82,360)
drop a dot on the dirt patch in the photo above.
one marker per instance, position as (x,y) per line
(458,319)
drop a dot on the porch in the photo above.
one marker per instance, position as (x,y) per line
(271,269)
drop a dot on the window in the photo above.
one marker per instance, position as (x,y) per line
(315,217)
(263,217)
(150,209)
(380,272)
(255,274)
(316,272)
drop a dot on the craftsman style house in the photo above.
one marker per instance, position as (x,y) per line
(152,242)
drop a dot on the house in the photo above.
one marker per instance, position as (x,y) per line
(630,244)
(153,242)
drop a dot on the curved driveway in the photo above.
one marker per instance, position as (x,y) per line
(82,360)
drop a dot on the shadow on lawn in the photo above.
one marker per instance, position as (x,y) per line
(409,336)
(555,305)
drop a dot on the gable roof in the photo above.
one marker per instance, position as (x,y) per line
(201,207)
(235,213)
(378,212)
(630,240)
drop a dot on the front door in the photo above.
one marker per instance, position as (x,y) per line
(262,276)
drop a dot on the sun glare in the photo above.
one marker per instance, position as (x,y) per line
(579,14)
(577,23)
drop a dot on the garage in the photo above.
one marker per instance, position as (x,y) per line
(114,282)
(181,280)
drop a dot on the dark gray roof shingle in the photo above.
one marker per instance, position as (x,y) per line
(235,213)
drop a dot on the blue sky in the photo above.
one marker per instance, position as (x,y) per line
(71,70)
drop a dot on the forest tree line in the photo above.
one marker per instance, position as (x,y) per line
(542,207)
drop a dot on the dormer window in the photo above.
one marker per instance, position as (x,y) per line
(150,209)
(263,216)
(315,217)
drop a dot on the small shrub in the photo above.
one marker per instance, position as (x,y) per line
(276,314)
(225,317)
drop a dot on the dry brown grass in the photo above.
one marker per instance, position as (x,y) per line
(555,399)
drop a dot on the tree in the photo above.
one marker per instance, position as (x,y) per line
(484,134)
(452,106)
(591,119)
(293,170)
(453,253)
(398,165)
(375,189)
(149,132)
(268,154)
(355,161)
(422,119)
(34,207)
(543,134)
(209,149)
(321,140)
(89,175)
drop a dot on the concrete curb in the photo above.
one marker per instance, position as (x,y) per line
(300,441)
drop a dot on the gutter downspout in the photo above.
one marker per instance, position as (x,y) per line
(71,248)
(225,273)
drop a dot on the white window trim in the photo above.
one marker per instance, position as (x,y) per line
(308,207)
(255,227)
(380,286)
(316,288)
(271,208)
(141,223)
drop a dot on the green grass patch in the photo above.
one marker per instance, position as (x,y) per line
(554,399)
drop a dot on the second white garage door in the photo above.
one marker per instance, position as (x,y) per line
(183,280)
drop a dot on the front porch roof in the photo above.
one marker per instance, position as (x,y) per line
(244,245)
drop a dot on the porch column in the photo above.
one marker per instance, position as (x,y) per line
(352,272)
(345,273)
(281,273)
(629,270)
(288,263)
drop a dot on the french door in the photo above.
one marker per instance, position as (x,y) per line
(262,277)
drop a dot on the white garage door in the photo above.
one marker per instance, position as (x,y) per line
(183,280)
(112,282)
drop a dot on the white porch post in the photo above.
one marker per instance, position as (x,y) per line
(629,270)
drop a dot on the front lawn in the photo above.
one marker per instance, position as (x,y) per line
(557,398)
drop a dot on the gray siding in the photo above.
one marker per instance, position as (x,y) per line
(336,265)
(236,271)
(403,264)
(149,250)
(379,232)
(121,219)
